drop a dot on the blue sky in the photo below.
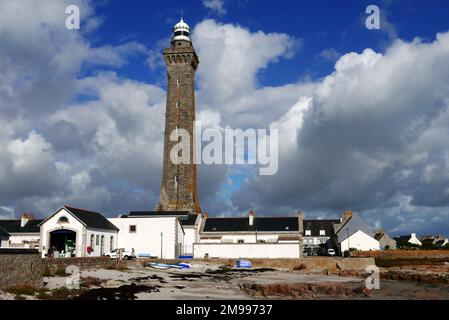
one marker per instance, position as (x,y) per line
(363,115)
(320,25)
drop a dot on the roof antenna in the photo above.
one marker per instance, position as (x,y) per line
(182,14)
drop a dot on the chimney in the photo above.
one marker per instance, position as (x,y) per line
(347,215)
(251,218)
(25,218)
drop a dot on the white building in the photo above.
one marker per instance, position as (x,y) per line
(410,239)
(77,232)
(250,237)
(152,234)
(23,233)
(353,233)
(191,227)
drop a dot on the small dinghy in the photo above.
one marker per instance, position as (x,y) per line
(159,266)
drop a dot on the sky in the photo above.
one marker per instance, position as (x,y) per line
(362,114)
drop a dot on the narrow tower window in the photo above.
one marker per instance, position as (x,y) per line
(176,182)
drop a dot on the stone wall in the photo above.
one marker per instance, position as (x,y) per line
(50,266)
(20,267)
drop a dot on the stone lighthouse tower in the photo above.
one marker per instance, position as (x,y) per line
(179,181)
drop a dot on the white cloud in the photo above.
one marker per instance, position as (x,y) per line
(371,136)
(216,6)
(231,58)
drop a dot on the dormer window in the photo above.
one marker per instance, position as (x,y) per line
(322,232)
(308,232)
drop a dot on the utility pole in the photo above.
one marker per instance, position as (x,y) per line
(162,242)
(349,246)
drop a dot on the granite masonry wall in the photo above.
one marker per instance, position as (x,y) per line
(20,267)
(51,266)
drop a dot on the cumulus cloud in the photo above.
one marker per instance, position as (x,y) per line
(231,58)
(372,136)
(216,6)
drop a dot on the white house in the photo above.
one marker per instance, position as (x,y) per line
(191,226)
(77,232)
(152,234)
(23,233)
(408,239)
(353,233)
(250,237)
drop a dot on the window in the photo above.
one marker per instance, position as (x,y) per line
(132,229)
(240,241)
(322,232)
(308,233)
(92,240)
(97,240)
(111,244)
(63,220)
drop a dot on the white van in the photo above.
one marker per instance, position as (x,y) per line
(126,254)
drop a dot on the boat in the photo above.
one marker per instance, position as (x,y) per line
(160,266)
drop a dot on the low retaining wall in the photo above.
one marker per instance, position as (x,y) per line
(20,267)
(403,254)
(246,250)
(50,266)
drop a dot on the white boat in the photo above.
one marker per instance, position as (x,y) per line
(160,266)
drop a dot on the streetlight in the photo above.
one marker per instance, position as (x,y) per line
(349,247)
(162,242)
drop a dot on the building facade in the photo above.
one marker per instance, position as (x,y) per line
(250,237)
(385,241)
(152,234)
(23,233)
(73,232)
(318,236)
(353,234)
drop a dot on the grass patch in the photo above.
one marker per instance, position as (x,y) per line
(121,268)
(59,294)
(22,290)
(61,273)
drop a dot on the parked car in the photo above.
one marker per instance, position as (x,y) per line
(331,252)
(126,254)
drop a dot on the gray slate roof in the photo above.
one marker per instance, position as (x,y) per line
(3,234)
(14,226)
(351,226)
(316,225)
(261,224)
